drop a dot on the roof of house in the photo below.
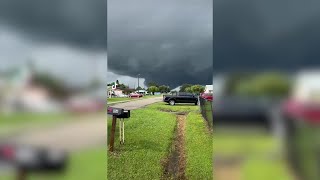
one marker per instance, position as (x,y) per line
(176,89)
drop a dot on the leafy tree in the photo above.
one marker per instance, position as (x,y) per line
(111,84)
(139,88)
(184,86)
(197,89)
(128,90)
(122,86)
(153,89)
(188,89)
(164,89)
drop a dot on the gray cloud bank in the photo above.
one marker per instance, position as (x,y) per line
(77,22)
(258,35)
(169,42)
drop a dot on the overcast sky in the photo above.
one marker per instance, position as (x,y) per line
(263,35)
(165,41)
(168,41)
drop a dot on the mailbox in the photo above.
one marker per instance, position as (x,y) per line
(115,111)
(121,114)
(125,114)
(118,112)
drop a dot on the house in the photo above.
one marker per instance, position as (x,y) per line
(19,93)
(115,92)
(208,89)
(177,89)
(118,92)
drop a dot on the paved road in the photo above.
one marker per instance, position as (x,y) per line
(137,104)
(77,134)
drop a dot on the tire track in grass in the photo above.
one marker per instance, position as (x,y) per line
(175,164)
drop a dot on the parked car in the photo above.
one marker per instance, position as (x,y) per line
(207,96)
(135,95)
(181,98)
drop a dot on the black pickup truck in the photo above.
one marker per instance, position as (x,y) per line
(181,98)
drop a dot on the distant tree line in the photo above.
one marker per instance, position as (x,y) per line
(190,88)
(270,84)
(154,87)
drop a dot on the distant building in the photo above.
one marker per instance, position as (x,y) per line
(177,89)
(208,89)
(19,93)
(118,92)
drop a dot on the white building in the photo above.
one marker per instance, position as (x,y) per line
(208,89)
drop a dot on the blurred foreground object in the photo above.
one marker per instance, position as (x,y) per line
(302,122)
(27,159)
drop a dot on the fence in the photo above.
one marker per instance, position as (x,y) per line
(207,111)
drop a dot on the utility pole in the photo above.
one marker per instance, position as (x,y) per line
(138,82)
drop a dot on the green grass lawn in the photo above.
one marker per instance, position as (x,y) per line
(149,134)
(147,140)
(176,108)
(119,99)
(199,147)
(83,165)
(258,151)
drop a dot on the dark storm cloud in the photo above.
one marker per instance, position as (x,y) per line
(169,42)
(259,35)
(78,22)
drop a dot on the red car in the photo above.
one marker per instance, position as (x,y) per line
(135,95)
(207,96)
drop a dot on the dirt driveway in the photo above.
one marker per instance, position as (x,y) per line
(84,132)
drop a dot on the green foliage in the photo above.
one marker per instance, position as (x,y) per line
(197,89)
(265,84)
(269,84)
(164,89)
(199,148)
(188,89)
(111,84)
(141,156)
(184,86)
(153,89)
